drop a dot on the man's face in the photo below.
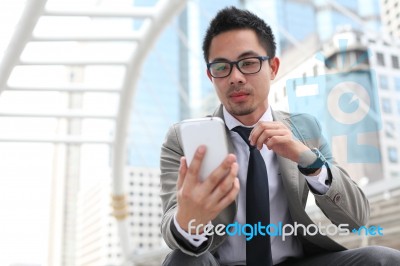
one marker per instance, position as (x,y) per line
(245,96)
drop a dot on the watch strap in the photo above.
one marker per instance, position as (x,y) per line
(317,164)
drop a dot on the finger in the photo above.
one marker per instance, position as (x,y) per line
(231,196)
(192,173)
(216,176)
(225,186)
(259,129)
(266,136)
(255,133)
(262,127)
(182,173)
(275,141)
(268,125)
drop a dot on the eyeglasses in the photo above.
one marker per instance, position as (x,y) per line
(250,65)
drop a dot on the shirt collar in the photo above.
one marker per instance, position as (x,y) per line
(232,122)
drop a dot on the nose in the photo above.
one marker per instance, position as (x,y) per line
(236,77)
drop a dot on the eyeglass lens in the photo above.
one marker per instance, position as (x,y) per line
(246,66)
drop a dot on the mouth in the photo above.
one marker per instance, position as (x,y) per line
(239,96)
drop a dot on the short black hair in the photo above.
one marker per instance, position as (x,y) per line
(232,18)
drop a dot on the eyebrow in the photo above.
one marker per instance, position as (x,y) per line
(242,55)
(247,54)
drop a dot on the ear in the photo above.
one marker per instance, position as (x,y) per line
(274,65)
(209,75)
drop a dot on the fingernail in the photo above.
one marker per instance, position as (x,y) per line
(201,149)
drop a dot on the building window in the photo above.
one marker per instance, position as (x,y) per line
(315,70)
(395,62)
(398,106)
(386,107)
(389,130)
(383,82)
(380,59)
(304,77)
(392,154)
(397,83)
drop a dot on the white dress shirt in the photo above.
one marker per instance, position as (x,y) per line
(233,250)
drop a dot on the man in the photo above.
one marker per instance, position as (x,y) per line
(239,50)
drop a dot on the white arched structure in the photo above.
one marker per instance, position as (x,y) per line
(155,18)
(166,10)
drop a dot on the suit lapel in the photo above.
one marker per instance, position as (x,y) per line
(293,184)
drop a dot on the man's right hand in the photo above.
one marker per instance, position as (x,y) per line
(204,200)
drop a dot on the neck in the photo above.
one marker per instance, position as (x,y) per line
(248,120)
(252,118)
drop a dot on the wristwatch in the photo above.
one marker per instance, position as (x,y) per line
(317,164)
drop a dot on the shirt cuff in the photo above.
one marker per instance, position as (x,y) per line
(195,240)
(320,182)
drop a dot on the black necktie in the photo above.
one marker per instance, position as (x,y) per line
(258,249)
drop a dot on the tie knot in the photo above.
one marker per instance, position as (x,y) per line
(244,132)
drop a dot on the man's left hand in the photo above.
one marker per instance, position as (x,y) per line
(277,137)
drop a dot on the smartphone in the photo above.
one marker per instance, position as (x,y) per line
(209,131)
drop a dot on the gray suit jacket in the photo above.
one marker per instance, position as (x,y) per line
(344,202)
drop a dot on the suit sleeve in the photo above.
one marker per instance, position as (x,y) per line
(344,202)
(171,152)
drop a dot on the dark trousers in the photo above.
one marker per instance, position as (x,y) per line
(367,256)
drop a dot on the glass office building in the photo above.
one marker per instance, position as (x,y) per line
(173,84)
(296,21)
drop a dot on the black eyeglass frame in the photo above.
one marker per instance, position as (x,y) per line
(236,63)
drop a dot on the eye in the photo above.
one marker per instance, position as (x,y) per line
(248,62)
(219,66)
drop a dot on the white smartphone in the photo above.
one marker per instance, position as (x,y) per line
(209,131)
